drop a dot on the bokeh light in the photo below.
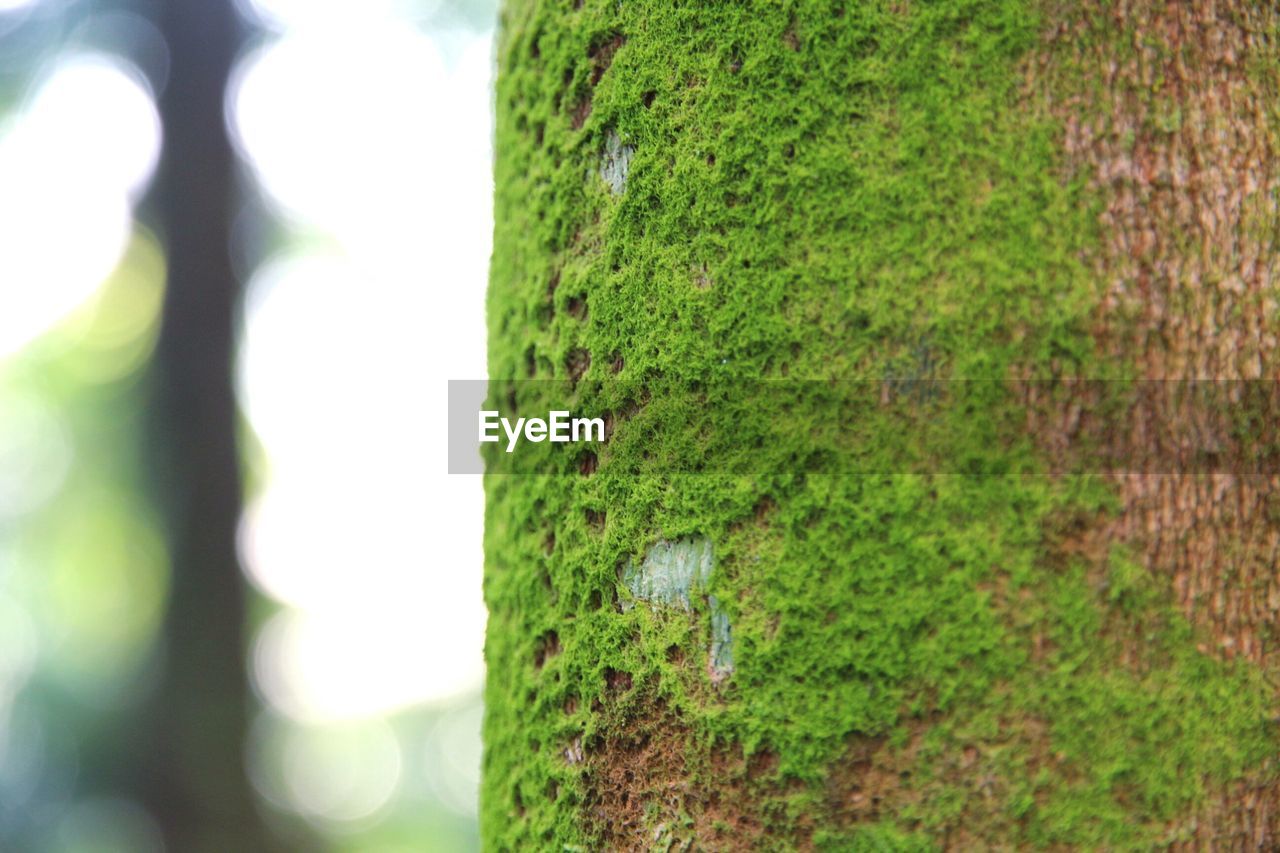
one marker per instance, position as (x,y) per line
(452,758)
(339,775)
(17,648)
(348,339)
(107,825)
(369,138)
(102,594)
(110,336)
(35,454)
(344,434)
(15,5)
(304,14)
(72,161)
(399,135)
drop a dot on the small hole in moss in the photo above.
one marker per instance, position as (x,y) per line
(580,114)
(647,98)
(595,601)
(549,544)
(615,362)
(601,55)
(788,151)
(588,463)
(675,654)
(553,282)
(711,159)
(595,519)
(518,802)
(762,763)
(577,308)
(577,363)
(539,132)
(530,362)
(553,790)
(546,647)
(617,681)
(764,507)
(571,704)
(701,277)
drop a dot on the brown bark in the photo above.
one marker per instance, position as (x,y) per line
(1170,109)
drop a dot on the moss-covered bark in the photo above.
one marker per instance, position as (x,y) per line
(1008,652)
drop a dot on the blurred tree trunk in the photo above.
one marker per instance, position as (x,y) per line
(195,782)
(1000,651)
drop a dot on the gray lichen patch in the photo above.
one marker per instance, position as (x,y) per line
(668,576)
(615,163)
(669,571)
(720,664)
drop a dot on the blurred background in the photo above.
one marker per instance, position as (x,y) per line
(242,245)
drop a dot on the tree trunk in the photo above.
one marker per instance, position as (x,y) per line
(192,776)
(1055,626)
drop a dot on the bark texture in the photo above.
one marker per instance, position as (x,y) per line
(1004,644)
(1177,135)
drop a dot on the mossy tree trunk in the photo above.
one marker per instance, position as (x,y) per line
(1015,647)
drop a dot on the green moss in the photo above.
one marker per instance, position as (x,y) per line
(875,838)
(815,190)
(1122,751)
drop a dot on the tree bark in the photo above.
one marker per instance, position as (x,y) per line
(1054,635)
